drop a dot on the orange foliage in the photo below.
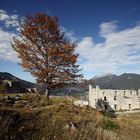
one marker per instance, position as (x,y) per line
(45,52)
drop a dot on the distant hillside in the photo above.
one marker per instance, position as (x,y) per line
(111,81)
(23,83)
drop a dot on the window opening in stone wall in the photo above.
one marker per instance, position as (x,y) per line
(114,97)
(129,106)
(124,93)
(115,106)
(104,98)
(130,92)
(105,107)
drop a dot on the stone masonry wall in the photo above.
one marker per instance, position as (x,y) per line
(117,99)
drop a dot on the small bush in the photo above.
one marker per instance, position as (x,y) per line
(110,113)
(108,125)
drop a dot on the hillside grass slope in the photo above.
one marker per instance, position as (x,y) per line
(59,119)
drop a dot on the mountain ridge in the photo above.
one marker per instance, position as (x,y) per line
(129,81)
(123,81)
(8,76)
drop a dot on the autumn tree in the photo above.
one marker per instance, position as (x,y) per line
(45,52)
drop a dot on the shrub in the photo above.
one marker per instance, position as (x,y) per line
(107,124)
(110,113)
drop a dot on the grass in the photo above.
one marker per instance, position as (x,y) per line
(130,124)
(108,124)
(41,119)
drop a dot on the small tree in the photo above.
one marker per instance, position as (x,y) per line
(44,51)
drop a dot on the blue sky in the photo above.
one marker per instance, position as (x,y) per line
(108,33)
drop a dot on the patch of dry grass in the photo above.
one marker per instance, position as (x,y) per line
(47,119)
(130,125)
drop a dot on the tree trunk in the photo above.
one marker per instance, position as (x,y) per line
(47,93)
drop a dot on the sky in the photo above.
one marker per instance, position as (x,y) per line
(107,32)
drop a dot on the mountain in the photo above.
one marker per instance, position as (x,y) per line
(111,81)
(7,76)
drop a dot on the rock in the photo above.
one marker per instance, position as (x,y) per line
(9,101)
(9,98)
(17,97)
(71,125)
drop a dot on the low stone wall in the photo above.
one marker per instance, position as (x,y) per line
(81,103)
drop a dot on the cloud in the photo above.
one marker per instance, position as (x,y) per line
(133,9)
(6,52)
(3,15)
(11,21)
(69,34)
(120,51)
(108,28)
(8,21)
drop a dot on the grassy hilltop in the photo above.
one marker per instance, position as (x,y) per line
(36,118)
